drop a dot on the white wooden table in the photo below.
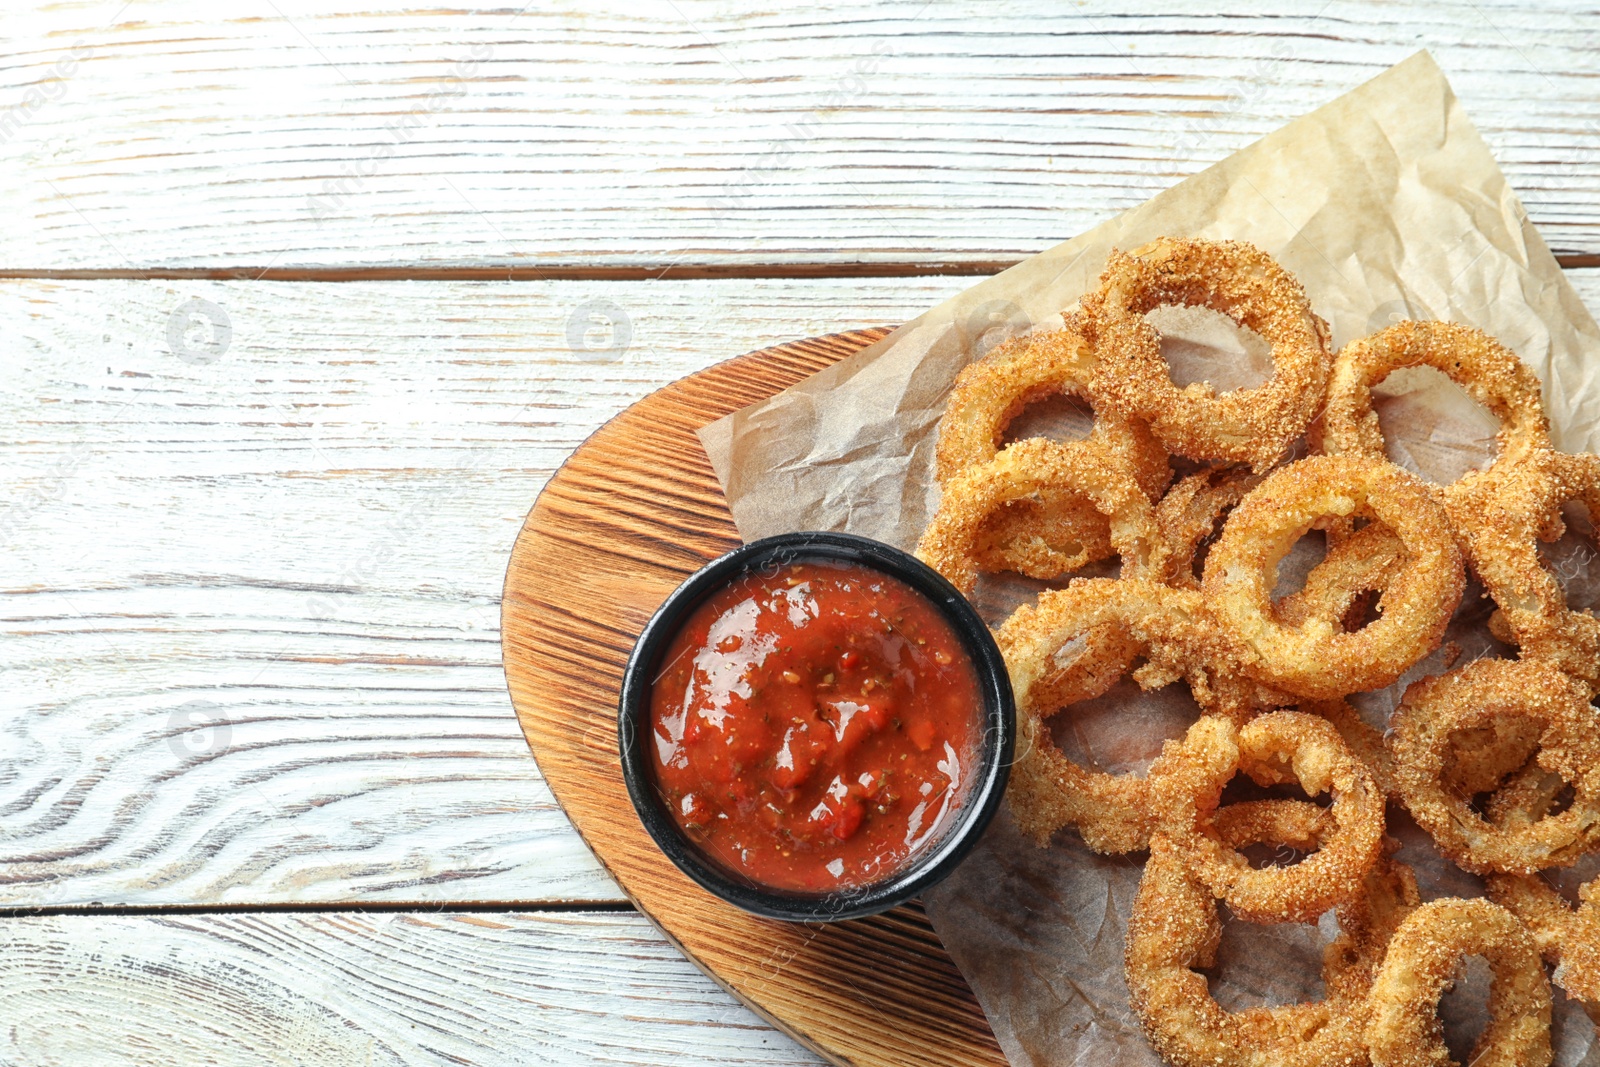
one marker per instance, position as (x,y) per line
(303,302)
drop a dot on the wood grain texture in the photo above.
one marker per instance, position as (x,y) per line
(627,517)
(249,610)
(646,133)
(406,989)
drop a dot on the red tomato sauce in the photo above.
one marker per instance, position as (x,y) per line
(814,727)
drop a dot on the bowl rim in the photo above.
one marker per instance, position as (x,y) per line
(996,746)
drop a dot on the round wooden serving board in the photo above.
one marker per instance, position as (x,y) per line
(633,512)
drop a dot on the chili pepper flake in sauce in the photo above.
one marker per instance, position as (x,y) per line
(814,726)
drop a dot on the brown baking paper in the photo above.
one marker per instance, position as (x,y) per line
(1386,204)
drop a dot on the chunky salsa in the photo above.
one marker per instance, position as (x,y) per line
(814,724)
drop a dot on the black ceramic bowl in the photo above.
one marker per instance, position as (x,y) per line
(992,761)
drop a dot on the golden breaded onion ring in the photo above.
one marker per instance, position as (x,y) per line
(1568,937)
(1186,784)
(1421,963)
(1020,472)
(989,393)
(1336,589)
(1500,543)
(1174,931)
(1490,374)
(1255,426)
(1057,531)
(1047,790)
(1528,793)
(1297,824)
(1318,659)
(1478,695)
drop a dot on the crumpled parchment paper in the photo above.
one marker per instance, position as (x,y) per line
(1386,204)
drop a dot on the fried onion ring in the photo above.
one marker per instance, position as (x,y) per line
(1421,963)
(1047,790)
(1186,784)
(1273,676)
(1040,538)
(1297,824)
(992,391)
(1527,795)
(1023,470)
(1316,659)
(1568,937)
(1255,426)
(1490,374)
(1175,929)
(1476,696)
(1534,614)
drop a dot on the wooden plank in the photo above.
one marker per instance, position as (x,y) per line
(250,607)
(698,132)
(607,541)
(412,989)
